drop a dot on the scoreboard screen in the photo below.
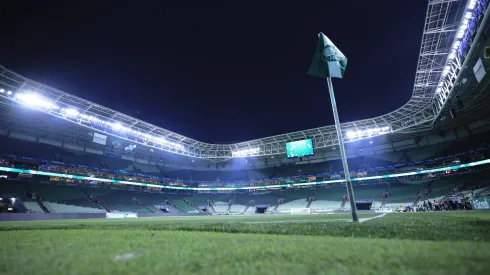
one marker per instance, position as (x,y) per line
(300,148)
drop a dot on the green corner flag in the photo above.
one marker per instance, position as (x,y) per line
(328,61)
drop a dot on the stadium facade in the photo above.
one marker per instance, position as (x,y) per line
(445,123)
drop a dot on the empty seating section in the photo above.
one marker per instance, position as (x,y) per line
(237,208)
(149,199)
(263,198)
(330,194)
(115,163)
(32,149)
(147,169)
(368,192)
(294,194)
(98,161)
(325,205)
(183,206)
(95,191)
(441,188)
(220,197)
(220,207)
(286,207)
(54,207)
(198,199)
(65,195)
(54,193)
(120,201)
(404,193)
(33,206)
(376,205)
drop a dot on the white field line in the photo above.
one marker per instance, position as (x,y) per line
(375,217)
(128,256)
(298,221)
(317,221)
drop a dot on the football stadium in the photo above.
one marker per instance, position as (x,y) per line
(86,189)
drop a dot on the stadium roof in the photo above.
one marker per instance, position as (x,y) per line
(449,29)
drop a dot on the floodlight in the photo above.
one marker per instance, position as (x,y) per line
(72,112)
(245,152)
(9,92)
(2,91)
(117,126)
(351,134)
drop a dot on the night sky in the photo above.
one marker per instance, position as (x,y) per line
(218,73)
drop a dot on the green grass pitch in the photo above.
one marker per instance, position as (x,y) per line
(399,243)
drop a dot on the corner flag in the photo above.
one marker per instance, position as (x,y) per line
(328,60)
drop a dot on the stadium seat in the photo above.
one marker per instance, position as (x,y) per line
(54,207)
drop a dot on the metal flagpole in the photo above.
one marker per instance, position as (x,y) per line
(350,191)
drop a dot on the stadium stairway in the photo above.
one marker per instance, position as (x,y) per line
(420,196)
(183,206)
(97,201)
(150,209)
(33,206)
(250,210)
(118,200)
(482,191)
(210,209)
(309,204)
(193,206)
(152,201)
(42,206)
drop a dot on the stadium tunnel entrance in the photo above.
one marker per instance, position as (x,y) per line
(11,204)
(164,209)
(364,205)
(261,208)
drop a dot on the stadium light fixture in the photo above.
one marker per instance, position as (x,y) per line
(246,152)
(162,141)
(458,46)
(71,112)
(117,126)
(34,100)
(2,91)
(352,134)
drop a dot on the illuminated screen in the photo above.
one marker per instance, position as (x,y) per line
(299,148)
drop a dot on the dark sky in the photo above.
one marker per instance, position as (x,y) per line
(218,72)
